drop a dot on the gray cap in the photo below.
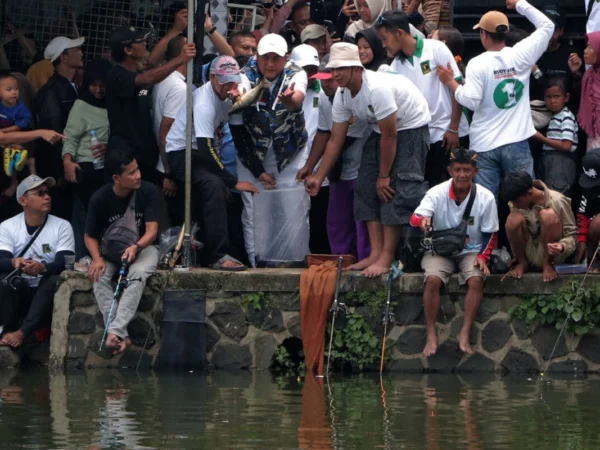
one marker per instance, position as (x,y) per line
(31,182)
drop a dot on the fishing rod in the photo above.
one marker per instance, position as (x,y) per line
(577,297)
(11,277)
(336,307)
(122,283)
(388,317)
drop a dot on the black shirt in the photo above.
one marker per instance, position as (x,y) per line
(556,64)
(105,207)
(130,116)
(54,102)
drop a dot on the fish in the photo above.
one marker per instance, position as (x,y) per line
(248,98)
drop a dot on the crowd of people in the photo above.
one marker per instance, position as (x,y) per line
(376,118)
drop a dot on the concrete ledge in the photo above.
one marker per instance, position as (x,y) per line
(240,337)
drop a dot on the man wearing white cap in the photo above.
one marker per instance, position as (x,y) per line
(391,176)
(54,102)
(35,243)
(497,90)
(211,181)
(272,157)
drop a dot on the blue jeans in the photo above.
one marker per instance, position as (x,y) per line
(497,163)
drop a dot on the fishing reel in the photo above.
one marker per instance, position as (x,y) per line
(427,241)
(339,308)
(388,318)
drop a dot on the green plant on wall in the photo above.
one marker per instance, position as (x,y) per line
(255,300)
(375,300)
(356,343)
(583,308)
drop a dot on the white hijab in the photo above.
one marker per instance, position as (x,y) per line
(377,8)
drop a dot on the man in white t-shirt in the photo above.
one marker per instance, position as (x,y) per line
(497,90)
(417,59)
(443,208)
(35,243)
(211,181)
(391,177)
(346,236)
(167,98)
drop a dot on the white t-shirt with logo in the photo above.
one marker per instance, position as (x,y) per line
(497,87)
(210,114)
(358,129)
(310,108)
(422,71)
(167,98)
(381,95)
(56,236)
(439,203)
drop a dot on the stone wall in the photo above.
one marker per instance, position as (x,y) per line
(239,336)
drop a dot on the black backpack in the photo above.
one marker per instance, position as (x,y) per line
(120,235)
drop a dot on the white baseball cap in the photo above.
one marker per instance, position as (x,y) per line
(272,43)
(59,44)
(32,182)
(305,55)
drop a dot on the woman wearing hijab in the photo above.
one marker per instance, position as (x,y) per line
(371,51)
(589,110)
(369,11)
(87,117)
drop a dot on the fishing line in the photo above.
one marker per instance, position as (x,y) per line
(577,297)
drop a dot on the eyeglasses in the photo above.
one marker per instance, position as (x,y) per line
(41,193)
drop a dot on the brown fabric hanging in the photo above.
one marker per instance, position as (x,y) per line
(314,431)
(317,289)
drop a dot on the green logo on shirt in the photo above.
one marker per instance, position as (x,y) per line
(425,67)
(315,102)
(46,248)
(508,93)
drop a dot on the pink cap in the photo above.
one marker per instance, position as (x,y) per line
(226,69)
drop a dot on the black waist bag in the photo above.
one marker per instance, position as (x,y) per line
(451,242)
(120,235)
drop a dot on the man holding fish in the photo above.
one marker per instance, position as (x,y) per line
(270,134)
(211,182)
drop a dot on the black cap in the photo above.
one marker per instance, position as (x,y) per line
(123,36)
(463,156)
(590,163)
(556,15)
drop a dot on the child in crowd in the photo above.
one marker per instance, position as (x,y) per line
(14,116)
(557,167)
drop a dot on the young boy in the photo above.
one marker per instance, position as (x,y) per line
(557,166)
(14,116)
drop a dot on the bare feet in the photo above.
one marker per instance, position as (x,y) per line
(549,273)
(14,339)
(518,271)
(376,270)
(463,341)
(364,263)
(431,345)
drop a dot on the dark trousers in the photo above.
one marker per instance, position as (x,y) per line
(318,241)
(34,304)
(210,197)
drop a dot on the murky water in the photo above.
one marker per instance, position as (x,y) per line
(121,410)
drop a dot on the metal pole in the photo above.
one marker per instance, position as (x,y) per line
(192,11)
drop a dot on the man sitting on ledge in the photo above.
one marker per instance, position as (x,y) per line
(541,227)
(36,243)
(443,208)
(107,205)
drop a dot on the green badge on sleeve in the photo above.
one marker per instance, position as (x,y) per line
(425,67)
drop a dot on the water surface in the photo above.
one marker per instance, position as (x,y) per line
(104,409)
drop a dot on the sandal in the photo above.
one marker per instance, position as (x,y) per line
(219,265)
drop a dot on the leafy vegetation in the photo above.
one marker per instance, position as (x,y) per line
(255,301)
(375,300)
(582,307)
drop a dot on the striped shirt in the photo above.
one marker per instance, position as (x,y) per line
(563,127)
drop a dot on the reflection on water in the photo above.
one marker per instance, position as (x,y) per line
(122,410)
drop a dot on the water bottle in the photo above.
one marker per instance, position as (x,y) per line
(98,163)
